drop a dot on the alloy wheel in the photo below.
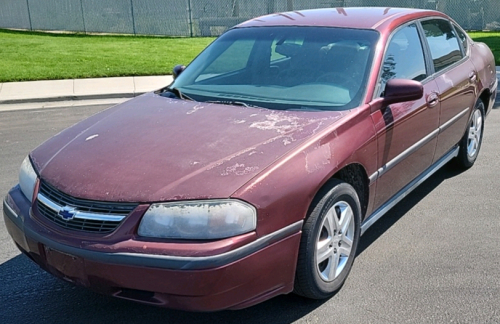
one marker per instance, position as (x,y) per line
(335,240)
(475,133)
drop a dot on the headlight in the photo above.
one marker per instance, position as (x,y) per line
(198,220)
(27,178)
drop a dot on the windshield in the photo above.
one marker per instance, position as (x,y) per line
(300,68)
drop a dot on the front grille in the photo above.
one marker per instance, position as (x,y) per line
(92,216)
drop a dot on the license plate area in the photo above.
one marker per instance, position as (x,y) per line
(67,266)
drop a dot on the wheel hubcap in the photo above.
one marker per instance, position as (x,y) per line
(475,133)
(334,243)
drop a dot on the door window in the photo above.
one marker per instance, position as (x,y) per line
(443,43)
(404,57)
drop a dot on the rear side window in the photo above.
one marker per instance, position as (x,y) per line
(462,37)
(443,43)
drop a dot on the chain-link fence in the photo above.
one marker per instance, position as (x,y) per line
(203,17)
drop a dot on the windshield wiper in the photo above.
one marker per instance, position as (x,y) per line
(231,103)
(179,94)
(305,109)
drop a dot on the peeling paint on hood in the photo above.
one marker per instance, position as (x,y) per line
(153,148)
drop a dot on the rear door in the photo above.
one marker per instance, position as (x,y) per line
(406,132)
(455,77)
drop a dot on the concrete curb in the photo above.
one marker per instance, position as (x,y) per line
(70,98)
(13,93)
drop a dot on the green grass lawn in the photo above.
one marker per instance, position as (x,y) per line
(492,39)
(43,56)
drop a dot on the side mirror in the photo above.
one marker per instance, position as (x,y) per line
(401,90)
(178,70)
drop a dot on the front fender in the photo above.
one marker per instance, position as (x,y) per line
(283,192)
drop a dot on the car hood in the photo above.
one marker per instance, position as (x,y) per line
(153,149)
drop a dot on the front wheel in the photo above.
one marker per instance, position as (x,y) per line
(471,142)
(328,245)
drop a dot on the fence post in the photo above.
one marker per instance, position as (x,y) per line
(29,13)
(271,6)
(83,17)
(132,13)
(190,19)
(235,11)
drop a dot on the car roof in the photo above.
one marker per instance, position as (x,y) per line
(378,18)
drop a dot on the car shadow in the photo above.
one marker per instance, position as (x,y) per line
(51,300)
(405,205)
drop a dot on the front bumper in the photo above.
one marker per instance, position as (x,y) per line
(235,279)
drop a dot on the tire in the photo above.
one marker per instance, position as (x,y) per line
(471,141)
(330,237)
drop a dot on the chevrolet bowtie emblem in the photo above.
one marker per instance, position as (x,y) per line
(67,213)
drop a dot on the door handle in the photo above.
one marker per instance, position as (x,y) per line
(472,76)
(432,100)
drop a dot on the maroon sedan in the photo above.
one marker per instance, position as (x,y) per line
(257,170)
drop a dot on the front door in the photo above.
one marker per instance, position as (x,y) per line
(406,132)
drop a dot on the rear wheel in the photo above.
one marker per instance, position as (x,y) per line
(473,137)
(328,245)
